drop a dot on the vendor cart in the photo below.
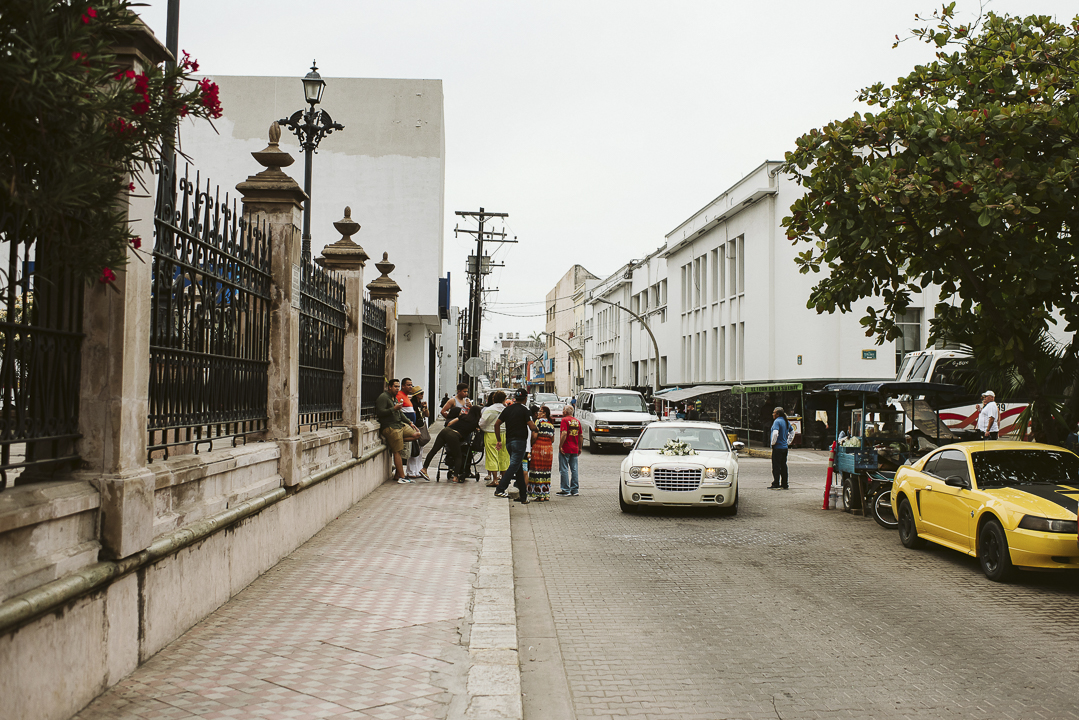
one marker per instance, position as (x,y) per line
(881,439)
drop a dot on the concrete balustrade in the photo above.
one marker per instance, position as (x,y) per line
(102,567)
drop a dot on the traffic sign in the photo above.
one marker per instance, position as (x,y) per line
(475,366)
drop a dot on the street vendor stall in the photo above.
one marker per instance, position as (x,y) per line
(881,438)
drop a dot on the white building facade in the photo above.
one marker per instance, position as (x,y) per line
(565,363)
(741,301)
(387,164)
(727,305)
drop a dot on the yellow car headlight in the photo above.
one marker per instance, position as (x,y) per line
(1035,522)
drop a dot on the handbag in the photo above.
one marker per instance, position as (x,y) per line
(425,436)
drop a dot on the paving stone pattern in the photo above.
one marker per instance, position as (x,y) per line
(369,619)
(787,611)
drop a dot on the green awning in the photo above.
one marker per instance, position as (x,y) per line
(773,387)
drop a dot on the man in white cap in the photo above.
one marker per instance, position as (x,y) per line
(988,416)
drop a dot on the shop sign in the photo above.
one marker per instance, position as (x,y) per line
(774,387)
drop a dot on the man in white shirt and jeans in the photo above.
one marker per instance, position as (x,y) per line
(988,416)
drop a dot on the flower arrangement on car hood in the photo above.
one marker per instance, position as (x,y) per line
(677,448)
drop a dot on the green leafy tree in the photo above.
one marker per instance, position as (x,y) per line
(965,179)
(76,129)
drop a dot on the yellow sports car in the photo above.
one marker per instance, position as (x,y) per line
(1009,504)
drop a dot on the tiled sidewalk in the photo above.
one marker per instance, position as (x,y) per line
(372,618)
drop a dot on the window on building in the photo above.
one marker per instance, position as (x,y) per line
(663,370)
(741,351)
(715,275)
(732,268)
(720,349)
(741,264)
(910,323)
(685,287)
(697,283)
(704,279)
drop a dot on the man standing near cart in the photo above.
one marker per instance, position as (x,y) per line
(988,416)
(782,434)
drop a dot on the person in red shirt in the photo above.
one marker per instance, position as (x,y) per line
(569,447)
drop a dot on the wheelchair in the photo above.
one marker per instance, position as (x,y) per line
(472,450)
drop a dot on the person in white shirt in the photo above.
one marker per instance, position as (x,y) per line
(988,416)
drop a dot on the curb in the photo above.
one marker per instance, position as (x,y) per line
(494,673)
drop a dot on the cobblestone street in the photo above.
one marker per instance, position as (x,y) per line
(785,611)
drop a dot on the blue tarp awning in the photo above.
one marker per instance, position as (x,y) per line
(890,387)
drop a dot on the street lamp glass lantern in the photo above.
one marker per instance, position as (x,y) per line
(313,85)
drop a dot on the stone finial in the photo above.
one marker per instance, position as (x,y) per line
(344,254)
(384,287)
(273,157)
(272,184)
(347,226)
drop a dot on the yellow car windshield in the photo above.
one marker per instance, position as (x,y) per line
(1008,468)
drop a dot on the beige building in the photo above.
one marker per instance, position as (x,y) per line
(564,365)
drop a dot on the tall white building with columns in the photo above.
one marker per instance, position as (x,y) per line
(727,305)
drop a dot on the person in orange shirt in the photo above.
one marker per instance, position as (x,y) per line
(405,398)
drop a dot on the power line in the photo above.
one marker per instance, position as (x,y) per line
(476,272)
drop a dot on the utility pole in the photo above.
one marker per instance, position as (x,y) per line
(478,266)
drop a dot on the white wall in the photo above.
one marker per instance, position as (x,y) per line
(388,165)
(449,352)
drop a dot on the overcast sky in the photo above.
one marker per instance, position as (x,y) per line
(598,126)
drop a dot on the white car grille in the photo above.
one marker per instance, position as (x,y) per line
(676,480)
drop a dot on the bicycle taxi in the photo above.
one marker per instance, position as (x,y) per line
(888,424)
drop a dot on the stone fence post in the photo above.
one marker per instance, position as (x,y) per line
(348,259)
(386,289)
(273,196)
(114,387)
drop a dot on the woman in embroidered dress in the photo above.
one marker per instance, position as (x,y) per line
(539,465)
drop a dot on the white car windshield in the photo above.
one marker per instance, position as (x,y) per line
(700,439)
(622,402)
(546,397)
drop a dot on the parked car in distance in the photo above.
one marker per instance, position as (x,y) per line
(611,417)
(1009,504)
(556,407)
(539,398)
(706,478)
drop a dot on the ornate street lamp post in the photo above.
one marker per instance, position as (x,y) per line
(310,126)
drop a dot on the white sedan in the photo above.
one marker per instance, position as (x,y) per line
(681,464)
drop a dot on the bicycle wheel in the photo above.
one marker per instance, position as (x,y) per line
(882,511)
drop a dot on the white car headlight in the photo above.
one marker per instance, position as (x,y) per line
(717,473)
(639,471)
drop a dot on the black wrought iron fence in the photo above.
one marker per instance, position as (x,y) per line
(322,345)
(40,345)
(210,318)
(373,352)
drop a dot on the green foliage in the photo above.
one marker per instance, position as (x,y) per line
(965,179)
(76,130)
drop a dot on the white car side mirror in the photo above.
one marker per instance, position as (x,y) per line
(739,446)
(627,443)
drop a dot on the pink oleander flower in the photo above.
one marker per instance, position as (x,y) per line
(209,97)
(107,276)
